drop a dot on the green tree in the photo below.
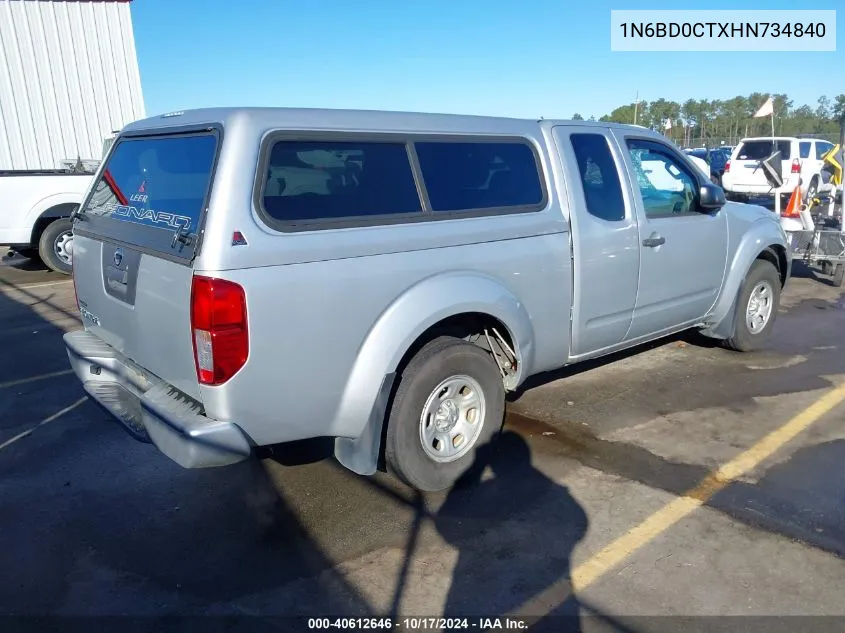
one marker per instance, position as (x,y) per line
(838,113)
(823,109)
(577,117)
(715,121)
(622,114)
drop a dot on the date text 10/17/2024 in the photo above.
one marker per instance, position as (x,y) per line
(417,624)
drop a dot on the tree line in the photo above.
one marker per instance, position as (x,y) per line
(716,121)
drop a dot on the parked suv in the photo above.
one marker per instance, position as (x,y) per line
(248,277)
(715,159)
(800,158)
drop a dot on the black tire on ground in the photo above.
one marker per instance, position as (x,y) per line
(56,232)
(437,361)
(839,275)
(744,340)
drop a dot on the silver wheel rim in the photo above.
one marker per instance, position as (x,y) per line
(760,305)
(452,418)
(63,247)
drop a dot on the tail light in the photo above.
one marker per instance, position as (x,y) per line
(796,166)
(727,166)
(219,329)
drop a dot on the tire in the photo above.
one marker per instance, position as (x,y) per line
(839,275)
(54,245)
(443,359)
(763,274)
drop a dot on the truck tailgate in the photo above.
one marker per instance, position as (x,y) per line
(134,247)
(140,305)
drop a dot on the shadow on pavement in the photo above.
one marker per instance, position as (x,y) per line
(801,270)
(514,532)
(800,498)
(96,524)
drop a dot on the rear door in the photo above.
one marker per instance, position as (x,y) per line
(744,167)
(133,246)
(604,238)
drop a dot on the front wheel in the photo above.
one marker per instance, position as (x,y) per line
(450,402)
(757,307)
(56,244)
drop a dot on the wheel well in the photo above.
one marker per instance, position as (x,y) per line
(478,328)
(777,256)
(48,216)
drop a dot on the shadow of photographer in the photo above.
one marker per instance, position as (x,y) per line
(515,533)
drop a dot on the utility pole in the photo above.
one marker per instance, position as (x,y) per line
(636,105)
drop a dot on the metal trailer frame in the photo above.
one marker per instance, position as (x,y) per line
(823,248)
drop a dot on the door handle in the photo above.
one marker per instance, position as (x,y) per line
(654,241)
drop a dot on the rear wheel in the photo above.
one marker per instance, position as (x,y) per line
(55,246)
(757,307)
(450,402)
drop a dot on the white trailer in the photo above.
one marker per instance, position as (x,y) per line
(69,79)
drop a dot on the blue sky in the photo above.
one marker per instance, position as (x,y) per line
(524,58)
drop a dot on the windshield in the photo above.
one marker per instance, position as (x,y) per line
(762,149)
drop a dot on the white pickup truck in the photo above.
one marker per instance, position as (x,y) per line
(35,213)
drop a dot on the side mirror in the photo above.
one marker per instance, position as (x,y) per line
(711,197)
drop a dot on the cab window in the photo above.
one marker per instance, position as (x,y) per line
(822,148)
(599,178)
(667,185)
(804,149)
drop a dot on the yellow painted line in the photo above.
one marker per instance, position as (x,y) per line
(47,420)
(23,381)
(640,535)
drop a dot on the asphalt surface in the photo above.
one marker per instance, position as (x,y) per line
(94,523)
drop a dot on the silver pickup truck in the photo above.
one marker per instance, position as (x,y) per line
(248,277)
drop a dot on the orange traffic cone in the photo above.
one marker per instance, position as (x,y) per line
(793,207)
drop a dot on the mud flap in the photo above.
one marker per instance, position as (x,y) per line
(361,454)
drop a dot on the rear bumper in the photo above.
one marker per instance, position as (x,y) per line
(760,189)
(15,237)
(150,409)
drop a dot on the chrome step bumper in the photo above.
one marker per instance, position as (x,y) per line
(150,409)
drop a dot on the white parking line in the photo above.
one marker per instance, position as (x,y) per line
(23,381)
(43,284)
(47,420)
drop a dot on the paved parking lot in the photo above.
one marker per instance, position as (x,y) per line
(681,479)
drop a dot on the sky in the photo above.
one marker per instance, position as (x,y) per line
(522,58)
